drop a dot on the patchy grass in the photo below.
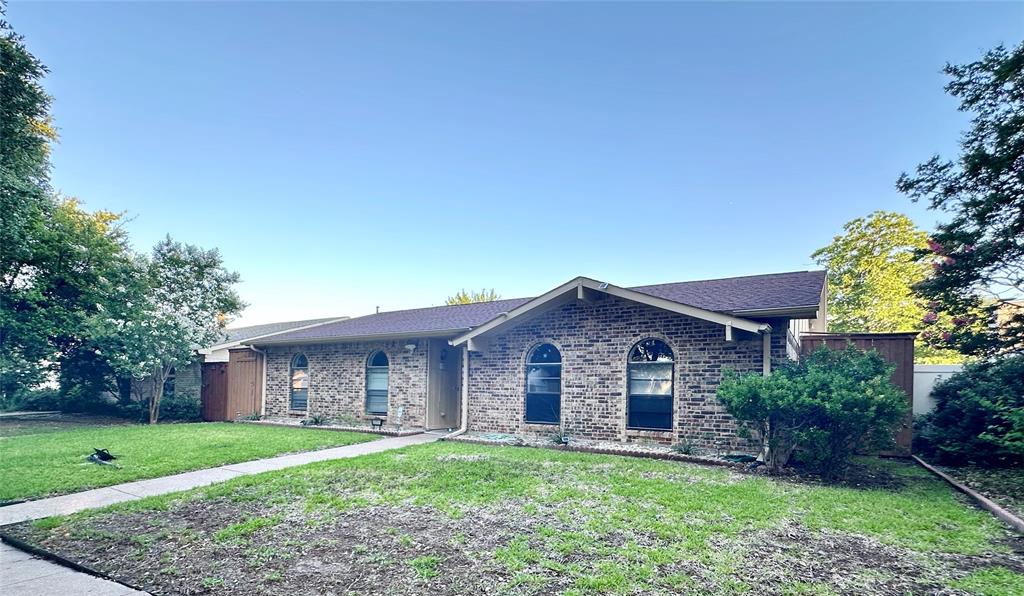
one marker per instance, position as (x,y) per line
(455,518)
(1003,485)
(993,581)
(38,465)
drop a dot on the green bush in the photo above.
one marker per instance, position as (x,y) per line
(978,416)
(826,406)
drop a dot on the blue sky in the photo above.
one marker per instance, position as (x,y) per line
(348,156)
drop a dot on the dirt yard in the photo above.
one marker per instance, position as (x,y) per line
(465,519)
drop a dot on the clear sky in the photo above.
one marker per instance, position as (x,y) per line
(348,156)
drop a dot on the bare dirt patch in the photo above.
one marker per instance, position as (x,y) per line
(374,550)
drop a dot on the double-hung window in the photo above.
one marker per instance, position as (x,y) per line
(544,385)
(377,384)
(650,369)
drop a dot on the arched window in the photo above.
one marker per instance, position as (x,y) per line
(544,385)
(300,383)
(377,383)
(650,385)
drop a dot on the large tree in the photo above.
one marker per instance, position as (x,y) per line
(978,255)
(872,268)
(176,301)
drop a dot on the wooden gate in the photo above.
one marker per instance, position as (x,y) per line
(245,383)
(897,348)
(215,391)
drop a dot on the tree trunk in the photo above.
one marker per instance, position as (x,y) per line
(158,393)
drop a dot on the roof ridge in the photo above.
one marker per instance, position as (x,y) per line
(731,277)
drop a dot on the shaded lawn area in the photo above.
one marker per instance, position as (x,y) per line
(450,518)
(30,424)
(49,463)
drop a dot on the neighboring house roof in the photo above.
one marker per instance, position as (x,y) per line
(236,335)
(436,320)
(797,294)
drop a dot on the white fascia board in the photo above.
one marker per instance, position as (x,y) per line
(626,294)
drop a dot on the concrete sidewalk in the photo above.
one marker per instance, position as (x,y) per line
(22,574)
(131,491)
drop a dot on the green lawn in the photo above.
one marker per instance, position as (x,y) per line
(37,465)
(454,518)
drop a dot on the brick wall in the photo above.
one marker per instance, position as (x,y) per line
(337,380)
(595,339)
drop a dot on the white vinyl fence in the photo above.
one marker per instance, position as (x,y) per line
(925,378)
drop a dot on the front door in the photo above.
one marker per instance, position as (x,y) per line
(444,385)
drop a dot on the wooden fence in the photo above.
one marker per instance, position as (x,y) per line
(897,348)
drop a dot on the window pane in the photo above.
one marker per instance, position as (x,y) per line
(651,350)
(650,412)
(300,361)
(545,353)
(299,399)
(378,359)
(543,408)
(543,378)
(377,401)
(300,379)
(650,387)
(377,380)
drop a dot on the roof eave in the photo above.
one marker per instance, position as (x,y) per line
(796,312)
(441,333)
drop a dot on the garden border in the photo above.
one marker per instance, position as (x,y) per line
(984,502)
(625,451)
(42,553)
(353,429)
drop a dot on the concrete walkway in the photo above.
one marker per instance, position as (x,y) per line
(23,574)
(131,491)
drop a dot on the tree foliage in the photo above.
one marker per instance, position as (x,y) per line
(464,297)
(978,256)
(872,269)
(826,406)
(978,416)
(176,302)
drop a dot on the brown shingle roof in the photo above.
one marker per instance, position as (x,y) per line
(729,295)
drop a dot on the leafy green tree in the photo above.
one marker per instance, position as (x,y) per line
(25,202)
(872,269)
(464,297)
(175,301)
(978,255)
(826,406)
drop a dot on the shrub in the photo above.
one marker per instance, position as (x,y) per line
(978,416)
(315,420)
(827,405)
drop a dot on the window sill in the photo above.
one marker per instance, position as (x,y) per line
(529,423)
(297,412)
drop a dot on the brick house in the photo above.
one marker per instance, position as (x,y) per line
(598,360)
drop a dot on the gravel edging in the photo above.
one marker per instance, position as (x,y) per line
(984,502)
(625,451)
(59,560)
(336,427)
